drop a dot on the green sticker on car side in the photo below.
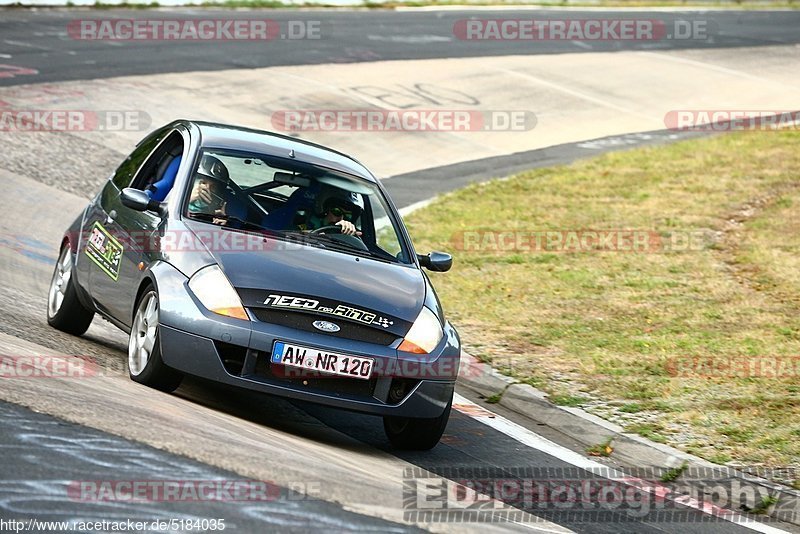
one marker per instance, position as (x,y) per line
(104,249)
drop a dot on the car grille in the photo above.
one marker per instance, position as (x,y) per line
(234,358)
(302,379)
(303,321)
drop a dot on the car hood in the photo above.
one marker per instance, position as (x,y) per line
(271,273)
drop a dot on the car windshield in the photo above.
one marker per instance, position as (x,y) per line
(295,201)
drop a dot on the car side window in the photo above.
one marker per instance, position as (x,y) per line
(155,167)
(125,172)
(385,233)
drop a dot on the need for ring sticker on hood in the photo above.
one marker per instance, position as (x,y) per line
(322,306)
(347,312)
(104,249)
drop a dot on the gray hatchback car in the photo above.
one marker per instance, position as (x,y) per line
(263,262)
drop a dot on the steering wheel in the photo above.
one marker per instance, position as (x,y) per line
(333,229)
(337,235)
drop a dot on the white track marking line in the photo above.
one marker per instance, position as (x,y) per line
(577,94)
(535,441)
(26,45)
(710,66)
(411,208)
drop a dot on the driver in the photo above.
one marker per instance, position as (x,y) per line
(336,211)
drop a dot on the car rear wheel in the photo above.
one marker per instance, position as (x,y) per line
(144,349)
(417,434)
(64,310)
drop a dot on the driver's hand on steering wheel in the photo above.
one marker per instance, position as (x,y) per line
(348,228)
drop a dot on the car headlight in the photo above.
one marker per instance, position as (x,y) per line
(215,292)
(425,333)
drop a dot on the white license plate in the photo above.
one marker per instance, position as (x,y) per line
(321,360)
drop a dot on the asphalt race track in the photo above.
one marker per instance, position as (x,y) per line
(39,41)
(326,469)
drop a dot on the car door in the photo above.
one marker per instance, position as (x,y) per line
(117,236)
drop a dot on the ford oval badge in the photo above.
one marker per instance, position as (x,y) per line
(326,326)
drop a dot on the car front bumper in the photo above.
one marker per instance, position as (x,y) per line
(237,353)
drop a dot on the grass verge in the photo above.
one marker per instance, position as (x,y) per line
(628,4)
(678,339)
(392,4)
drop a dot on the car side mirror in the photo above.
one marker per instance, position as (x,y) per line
(139,201)
(436,261)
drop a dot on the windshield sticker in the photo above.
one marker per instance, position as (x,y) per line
(105,251)
(340,310)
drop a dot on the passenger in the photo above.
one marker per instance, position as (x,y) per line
(209,190)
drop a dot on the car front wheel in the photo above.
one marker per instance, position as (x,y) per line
(413,433)
(64,310)
(144,349)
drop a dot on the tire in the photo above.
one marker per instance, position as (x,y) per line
(416,434)
(145,365)
(64,311)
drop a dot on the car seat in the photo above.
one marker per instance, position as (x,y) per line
(234,206)
(159,190)
(283,218)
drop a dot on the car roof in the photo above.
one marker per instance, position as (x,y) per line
(225,136)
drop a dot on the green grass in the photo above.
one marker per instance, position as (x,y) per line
(123,5)
(567,400)
(391,4)
(601,449)
(720,458)
(494,399)
(729,4)
(763,506)
(671,475)
(651,431)
(620,326)
(631,407)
